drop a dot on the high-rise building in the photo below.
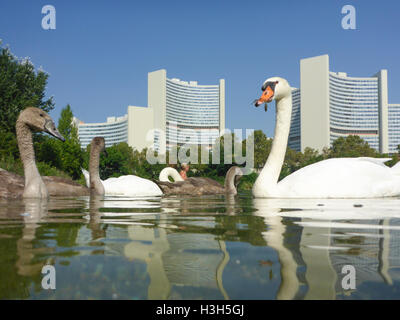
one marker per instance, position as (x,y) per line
(115,130)
(294,135)
(185,111)
(178,112)
(394,127)
(333,105)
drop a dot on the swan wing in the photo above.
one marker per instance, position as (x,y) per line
(378,161)
(11,185)
(131,185)
(59,186)
(341,178)
(396,168)
(87,177)
(192,186)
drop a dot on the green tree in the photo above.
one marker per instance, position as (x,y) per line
(8,145)
(117,163)
(66,156)
(71,153)
(139,165)
(20,87)
(262,148)
(351,146)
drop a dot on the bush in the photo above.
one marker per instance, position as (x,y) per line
(10,164)
(47,170)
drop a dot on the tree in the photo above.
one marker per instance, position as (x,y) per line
(71,152)
(262,148)
(351,146)
(117,162)
(66,156)
(8,145)
(20,87)
(65,123)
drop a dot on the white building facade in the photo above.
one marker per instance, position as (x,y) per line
(333,105)
(179,112)
(188,113)
(114,131)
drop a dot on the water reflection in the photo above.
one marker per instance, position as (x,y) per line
(362,233)
(200,248)
(35,209)
(274,237)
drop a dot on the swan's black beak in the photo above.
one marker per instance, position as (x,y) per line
(51,128)
(257,104)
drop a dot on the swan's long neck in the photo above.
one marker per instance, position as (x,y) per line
(34,186)
(169,172)
(267,180)
(230,181)
(94,163)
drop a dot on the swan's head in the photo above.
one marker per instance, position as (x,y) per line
(38,120)
(232,179)
(98,145)
(274,88)
(238,176)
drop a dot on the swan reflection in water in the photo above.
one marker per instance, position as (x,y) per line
(364,233)
(177,259)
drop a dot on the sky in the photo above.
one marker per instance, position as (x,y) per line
(100,53)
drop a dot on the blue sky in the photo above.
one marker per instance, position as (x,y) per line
(101,51)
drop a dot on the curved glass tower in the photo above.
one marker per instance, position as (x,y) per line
(354,108)
(192,113)
(179,112)
(115,130)
(186,112)
(334,105)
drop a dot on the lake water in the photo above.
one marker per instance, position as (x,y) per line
(200,248)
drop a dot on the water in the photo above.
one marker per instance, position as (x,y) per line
(200,248)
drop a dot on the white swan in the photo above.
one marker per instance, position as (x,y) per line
(169,172)
(129,186)
(332,178)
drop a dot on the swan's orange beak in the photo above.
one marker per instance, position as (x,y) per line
(266,97)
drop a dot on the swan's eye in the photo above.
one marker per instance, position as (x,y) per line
(41,114)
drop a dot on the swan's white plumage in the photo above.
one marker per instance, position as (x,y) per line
(396,168)
(87,177)
(340,178)
(129,185)
(333,178)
